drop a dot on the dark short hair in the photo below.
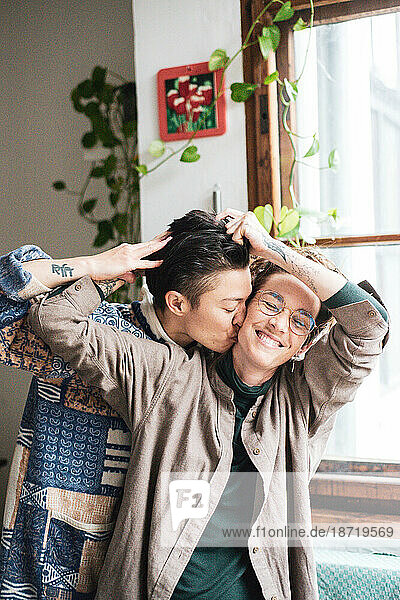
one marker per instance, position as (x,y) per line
(261,269)
(199,249)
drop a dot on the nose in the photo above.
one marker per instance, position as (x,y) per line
(281,320)
(240,316)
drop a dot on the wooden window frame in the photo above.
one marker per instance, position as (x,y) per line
(269,158)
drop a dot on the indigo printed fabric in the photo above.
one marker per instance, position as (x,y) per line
(70,460)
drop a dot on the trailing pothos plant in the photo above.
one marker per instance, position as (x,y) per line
(288,223)
(111,110)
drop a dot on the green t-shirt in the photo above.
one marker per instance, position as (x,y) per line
(226,572)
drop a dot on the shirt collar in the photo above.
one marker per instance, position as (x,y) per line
(149,312)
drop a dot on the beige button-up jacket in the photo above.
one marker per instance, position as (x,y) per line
(182,420)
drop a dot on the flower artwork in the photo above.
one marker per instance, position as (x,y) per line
(187,102)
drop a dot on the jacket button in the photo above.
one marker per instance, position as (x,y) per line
(254,414)
(256,451)
(371,313)
(78,287)
(255,550)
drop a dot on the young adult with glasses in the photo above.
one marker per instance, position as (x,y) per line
(252,410)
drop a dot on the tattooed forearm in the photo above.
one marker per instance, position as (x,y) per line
(62,270)
(110,285)
(274,246)
(307,273)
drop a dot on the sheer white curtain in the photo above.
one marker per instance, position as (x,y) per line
(350,96)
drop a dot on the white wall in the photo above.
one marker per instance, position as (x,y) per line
(46,48)
(170,33)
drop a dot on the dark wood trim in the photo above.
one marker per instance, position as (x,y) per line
(359,240)
(362,467)
(328,11)
(262,134)
(304,4)
(338,12)
(248,57)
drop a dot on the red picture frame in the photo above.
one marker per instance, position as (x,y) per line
(184,95)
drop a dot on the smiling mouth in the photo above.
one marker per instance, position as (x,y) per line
(267,340)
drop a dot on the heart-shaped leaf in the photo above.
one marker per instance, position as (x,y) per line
(270,78)
(98,78)
(89,139)
(259,212)
(157,148)
(120,222)
(105,233)
(218,59)
(334,160)
(110,164)
(313,149)
(142,169)
(284,13)
(269,40)
(265,216)
(300,25)
(113,198)
(85,89)
(289,221)
(240,92)
(190,154)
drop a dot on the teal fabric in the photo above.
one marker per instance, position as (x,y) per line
(226,572)
(350,294)
(352,575)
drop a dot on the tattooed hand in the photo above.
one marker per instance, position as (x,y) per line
(242,225)
(123,260)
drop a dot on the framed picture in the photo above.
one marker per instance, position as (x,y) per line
(185,102)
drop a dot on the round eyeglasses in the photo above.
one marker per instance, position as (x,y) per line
(271,303)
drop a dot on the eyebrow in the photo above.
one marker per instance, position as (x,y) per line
(232,299)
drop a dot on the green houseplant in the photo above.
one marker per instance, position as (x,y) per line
(111,110)
(289,222)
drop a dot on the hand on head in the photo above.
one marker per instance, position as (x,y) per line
(246,225)
(125,260)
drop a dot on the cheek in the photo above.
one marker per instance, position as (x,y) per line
(213,321)
(296,342)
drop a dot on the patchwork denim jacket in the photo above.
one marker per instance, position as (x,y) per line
(71,455)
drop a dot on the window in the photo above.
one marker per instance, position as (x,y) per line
(350,94)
